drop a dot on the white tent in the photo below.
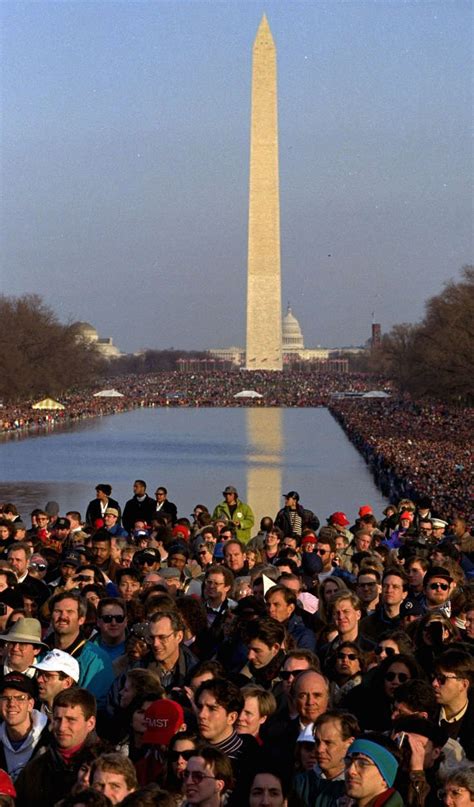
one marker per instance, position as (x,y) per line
(108,393)
(376,393)
(48,403)
(248,393)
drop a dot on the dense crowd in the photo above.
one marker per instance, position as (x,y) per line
(214,389)
(415,449)
(310,660)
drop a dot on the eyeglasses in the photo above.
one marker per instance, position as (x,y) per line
(108,618)
(359,763)
(394,676)
(162,637)
(453,792)
(197,777)
(436,586)
(48,676)
(367,585)
(13,698)
(350,656)
(285,675)
(389,651)
(173,756)
(441,678)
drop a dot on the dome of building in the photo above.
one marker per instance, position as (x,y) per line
(292,335)
(86,331)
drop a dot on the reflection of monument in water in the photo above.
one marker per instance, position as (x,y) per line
(264,475)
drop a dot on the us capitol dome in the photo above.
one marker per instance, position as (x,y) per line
(292,335)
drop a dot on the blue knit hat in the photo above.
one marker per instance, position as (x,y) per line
(383,759)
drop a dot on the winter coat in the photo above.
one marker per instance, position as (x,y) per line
(243,514)
(14,760)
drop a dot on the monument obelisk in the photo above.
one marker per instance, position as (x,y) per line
(264,339)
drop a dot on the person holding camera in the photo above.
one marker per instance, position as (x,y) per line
(421,744)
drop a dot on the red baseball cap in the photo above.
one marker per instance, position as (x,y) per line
(365,510)
(7,788)
(309,539)
(163,718)
(339,518)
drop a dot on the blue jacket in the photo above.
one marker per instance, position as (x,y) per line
(97,673)
(303,636)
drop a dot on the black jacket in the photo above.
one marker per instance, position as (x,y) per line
(136,510)
(94,511)
(46,778)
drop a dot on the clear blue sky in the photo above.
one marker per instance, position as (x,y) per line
(125,143)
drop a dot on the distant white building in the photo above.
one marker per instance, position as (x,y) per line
(293,345)
(104,345)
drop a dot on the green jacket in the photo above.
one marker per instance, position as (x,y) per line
(314,791)
(242,514)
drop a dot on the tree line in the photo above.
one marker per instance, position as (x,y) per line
(38,355)
(433,358)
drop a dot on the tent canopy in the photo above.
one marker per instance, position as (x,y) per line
(248,393)
(48,403)
(108,393)
(376,393)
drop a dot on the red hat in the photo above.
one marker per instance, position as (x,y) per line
(406,514)
(181,531)
(339,518)
(7,788)
(365,510)
(310,538)
(162,719)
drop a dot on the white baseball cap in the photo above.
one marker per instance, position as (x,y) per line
(59,661)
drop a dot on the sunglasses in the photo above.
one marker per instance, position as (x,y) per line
(389,651)
(38,567)
(436,586)
(441,678)
(108,618)
(173,756)
(322,551)
(393,676)
(285,675)
(197,777)
(350,656)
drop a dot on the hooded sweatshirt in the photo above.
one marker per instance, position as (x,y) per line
(17,757)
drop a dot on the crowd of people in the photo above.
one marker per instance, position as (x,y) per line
(150,658)
(213,389)
(414,449)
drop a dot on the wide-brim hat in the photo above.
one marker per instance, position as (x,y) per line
(25,631)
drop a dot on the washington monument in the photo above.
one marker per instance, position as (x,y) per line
(264,340)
